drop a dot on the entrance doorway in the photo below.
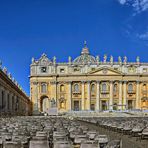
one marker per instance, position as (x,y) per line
(76,106)
(130,104)
(92,107)
(104,105)
(45,104)
(115,106)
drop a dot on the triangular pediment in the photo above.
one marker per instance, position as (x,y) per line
(105,71)
(44,60)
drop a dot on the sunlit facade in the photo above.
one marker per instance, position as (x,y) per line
(87,83)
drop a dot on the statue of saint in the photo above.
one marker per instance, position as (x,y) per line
(33,60)
(125,59)
(111,59)
(138,59)
(105,58)
(69,59)
(54,59)
(119,60)
(97,59)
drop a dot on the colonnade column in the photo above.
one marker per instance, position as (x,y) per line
(69,96)
(10,101)
(83,99)
(111,96)
(137,96)
(124,96)
(88,93)
(120,95)
(5,101)
(98,96)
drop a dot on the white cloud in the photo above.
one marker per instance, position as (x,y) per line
(122,1)
(143,36)
(138,5)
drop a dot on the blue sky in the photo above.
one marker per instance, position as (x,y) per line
(58,28)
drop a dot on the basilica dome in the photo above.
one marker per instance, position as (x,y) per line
(85,57)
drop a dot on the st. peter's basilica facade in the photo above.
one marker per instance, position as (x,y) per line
(87,83)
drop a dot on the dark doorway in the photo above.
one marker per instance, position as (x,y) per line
(76,106)
(92,107)
(104,105)
(130,104)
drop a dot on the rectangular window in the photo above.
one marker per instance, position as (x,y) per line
(76,69)
(144,70)
(43,69)
(62,70)
(43,88)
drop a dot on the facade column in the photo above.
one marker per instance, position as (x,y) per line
(35,100)
(137,95)
(69,96)
(125,95)
(13,101)
(54,91)
(111,96)
(88,93)
(120,95)
(14,105)
(98,96)
(83,96)
(10,102)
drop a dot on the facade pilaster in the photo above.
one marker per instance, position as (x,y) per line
(137,95)
(69,95)
(83,96)
(88,95)
(98,96)
(125,95)
(120,95)
(111,96)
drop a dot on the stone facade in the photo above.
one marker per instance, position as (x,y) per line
(13,100)
(87,83)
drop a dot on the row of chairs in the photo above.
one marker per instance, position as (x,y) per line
(136,127)
(51,132)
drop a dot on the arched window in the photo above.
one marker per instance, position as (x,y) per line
(76,88)
(61,88)
(93,88)
(115,88)
(130,87)
(144,86)
(104,87)
(44,88)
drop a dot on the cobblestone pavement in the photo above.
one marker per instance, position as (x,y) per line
(127,141)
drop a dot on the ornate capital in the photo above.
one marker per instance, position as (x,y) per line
(53,82)
(83,82)
(125,81)
(98,81)
(34,83)
(88,82)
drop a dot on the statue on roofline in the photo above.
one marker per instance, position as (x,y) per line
(69,59)
(125,59)
(98,59)
(119,60)
(33,60)
(138,59)
(105,58)
(54,59)
(111,59)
